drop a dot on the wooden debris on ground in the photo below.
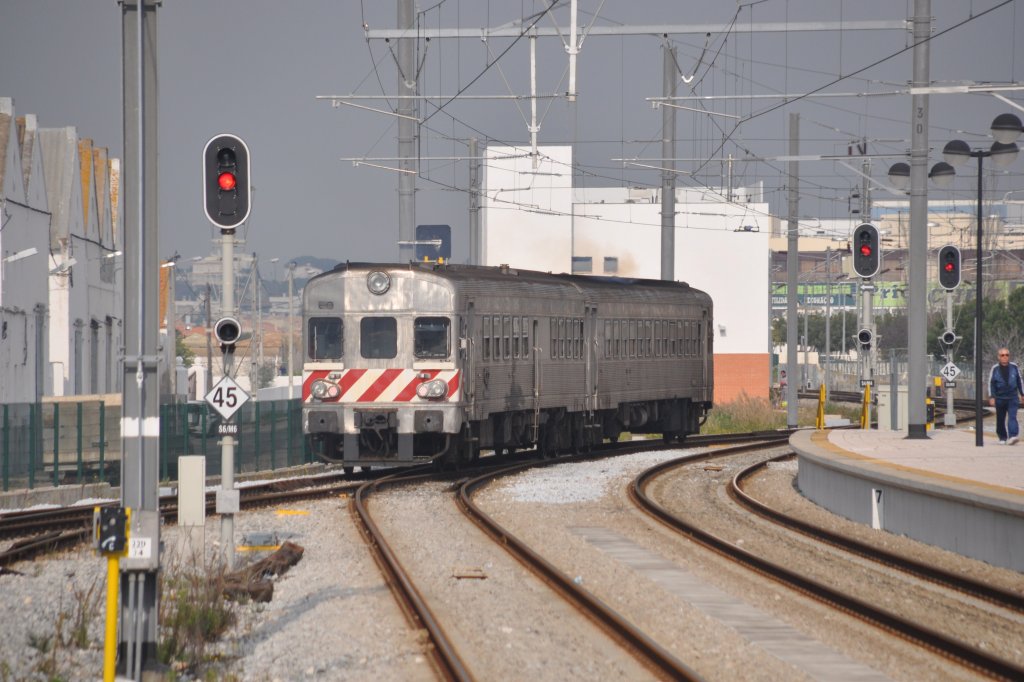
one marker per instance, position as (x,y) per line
(253,581)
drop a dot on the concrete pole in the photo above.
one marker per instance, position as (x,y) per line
(828,322)
(533,128)
(253,340)
(474,201)
(868,291)
(668,175)
(291,328)
(209,341)
(227,443)
(917,299)
(792,270)
(140,421)
(806,378)
(843,336)
(950,419)
(406,132)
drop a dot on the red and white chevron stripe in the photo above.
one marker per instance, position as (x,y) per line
(383,385)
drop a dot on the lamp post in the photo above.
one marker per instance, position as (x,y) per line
(169,320)
(1006,128)
(291,328)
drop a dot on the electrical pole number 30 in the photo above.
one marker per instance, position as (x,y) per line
(227,397)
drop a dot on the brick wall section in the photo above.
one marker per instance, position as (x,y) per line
(739,372)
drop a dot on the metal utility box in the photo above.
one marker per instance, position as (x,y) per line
(885,409)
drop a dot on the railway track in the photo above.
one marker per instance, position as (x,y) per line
(921,635)
(447,660)
(959,404)
(47,530)
(1006,599)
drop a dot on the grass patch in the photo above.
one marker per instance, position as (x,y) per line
(193,615)
(757,414)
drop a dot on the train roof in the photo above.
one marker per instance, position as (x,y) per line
(600,286)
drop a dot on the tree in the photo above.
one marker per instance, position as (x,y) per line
(181,350)
(265,374)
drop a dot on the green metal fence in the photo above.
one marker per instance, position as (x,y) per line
(56,443)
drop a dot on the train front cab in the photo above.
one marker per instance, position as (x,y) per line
(381,380)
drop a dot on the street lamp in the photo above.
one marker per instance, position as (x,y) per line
(291,328)
(1006,128)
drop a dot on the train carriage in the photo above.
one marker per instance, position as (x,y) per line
(409,363)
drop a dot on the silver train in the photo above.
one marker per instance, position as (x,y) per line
(410,363)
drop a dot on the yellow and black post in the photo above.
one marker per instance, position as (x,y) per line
(110,525)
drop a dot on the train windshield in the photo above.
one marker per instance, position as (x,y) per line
(378,337)
(325,338)
(432,337)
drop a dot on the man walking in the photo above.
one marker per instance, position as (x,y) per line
(1005,388)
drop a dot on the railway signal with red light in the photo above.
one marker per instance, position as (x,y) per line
(866,254)
(949,267)
(226,189)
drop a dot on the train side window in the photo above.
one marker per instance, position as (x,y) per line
(431,337)
(577,338)
(326,338)
(525,328)
(515,337)
(672,338)
(632,338)
(699,344)
(378,337)
(561,337)
(649,328)
(607,338)
(659,344)
(615,338)
(487,338)
(507,324)
(553,341)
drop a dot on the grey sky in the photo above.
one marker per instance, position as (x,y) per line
(255,67)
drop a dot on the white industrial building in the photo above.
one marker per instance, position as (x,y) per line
(60,276)
(533,218)
(24,240)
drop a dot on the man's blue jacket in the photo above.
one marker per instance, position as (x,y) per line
(998,387)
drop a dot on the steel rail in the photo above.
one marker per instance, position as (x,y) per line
(443,652)
(645,649)
(994,595)
(930,639)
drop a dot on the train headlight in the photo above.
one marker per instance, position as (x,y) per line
(324,390)
(432,390)
(378,282)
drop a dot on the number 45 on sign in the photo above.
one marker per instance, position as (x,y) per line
(950,371)
(227,397)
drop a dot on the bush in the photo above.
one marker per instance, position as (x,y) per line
(742,415)
(193,614)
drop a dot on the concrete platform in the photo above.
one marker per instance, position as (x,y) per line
(945,490)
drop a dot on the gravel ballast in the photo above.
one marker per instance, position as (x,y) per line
(333,617)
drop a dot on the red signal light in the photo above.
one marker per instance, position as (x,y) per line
(865,250)
(948,267)
(226,181)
